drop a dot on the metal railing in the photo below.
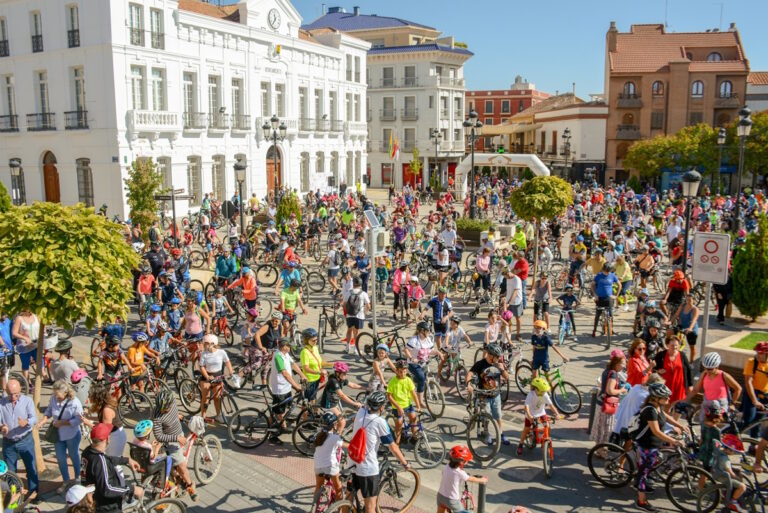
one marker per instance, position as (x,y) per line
(628,132)
(306,124)
(9,123)
(76,120)
(37,44)
(73,38)
(387,114)
(195,120)
(337,125)
(410,81)
(241,122)
(408,145)
(629,100)
(41,121)
(4,49)
(388,82)
(218,121)
(136,36)
(157,40)
(409,114)
(443,113)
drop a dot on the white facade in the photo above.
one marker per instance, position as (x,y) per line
(757,95)
(410,94)
(190,90)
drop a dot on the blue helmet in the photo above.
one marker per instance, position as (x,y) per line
(580,238)
(385,347)
(175,301)
(143,429)
(140,336)
(245,270)
(3,468)
(155,308)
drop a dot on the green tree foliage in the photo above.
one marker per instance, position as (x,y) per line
(141,186)
(416,163)
(527,174)
(755,146)
(750,273)
(634,183)
(5,199)
(63,264)
(649,156)
(289,204)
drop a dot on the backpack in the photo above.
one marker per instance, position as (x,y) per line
(634,429)
(337,258)
(154,234)
(356,450)
(354,304)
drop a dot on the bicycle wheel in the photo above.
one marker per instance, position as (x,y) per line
(504,385)
(134,407)
(197,259)
(248,428)
(196,286)
(523,377)
(546,457)
(615,469)
(208,458)
(566,397)
(480,430)
(316,281)
(339,322)
(265,308)
(429,449)
(338,507)
(96,348)
(607,330)
(561,333)
(460,378)
(228,406)
(189,395)
(467,296)
(709,499)
(398,490)
(304,434)
(228,336)
(322,327)
(156,385)
(366,346)
(266,274)
(682,487)
(478,355)
(166,505)
(12,480)
(179,375)
(433,396)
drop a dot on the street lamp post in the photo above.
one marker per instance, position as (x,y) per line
(275,131)
(474,125)
(691,181)
(437,135)
(720,143)
(742,130)
(567,147)
(240,177)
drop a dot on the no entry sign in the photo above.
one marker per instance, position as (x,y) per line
(710,257)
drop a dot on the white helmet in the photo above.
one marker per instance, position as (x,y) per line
(197,425)
(711,361)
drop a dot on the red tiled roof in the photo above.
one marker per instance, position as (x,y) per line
(225,12)
(648,48)
(758,78)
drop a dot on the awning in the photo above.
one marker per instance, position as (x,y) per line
(526,127)
(489,130)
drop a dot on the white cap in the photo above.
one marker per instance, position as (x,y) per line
(211,339)
(77,493)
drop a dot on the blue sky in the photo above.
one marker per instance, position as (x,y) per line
(553,43)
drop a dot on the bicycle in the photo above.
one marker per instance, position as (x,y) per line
(250,427)
(605,321)
(305,431)
(454,366)
(132,406)
(434,398)
(191,396)
(222,329)
(539,435)
(511,357)
(481,421)
(564,326)
(366,343)
(565,395)
(428,447)
(330,317)
(755,496)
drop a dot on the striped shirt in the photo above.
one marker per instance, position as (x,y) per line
(167,426)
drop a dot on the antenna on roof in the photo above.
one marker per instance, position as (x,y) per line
(666,14)
(720,26)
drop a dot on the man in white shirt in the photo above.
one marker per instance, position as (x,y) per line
(513,300)
(673,230)
(449,235)
(356,305)
(281,382)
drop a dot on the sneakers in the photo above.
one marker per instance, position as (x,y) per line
(645,506)
(626,307)
(488,439)
(505,440)
(192,493)
(519,449)
(275,440)
(220,419)
(349,349)
(735,506)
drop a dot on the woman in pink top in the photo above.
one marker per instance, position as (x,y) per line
(483,270)
(714,383)
(400,279)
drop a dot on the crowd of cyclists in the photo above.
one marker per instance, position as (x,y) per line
(613,248)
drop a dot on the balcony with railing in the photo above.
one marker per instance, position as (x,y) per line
(629,101)
(218,121)
(356,128)
(410,82)
(37,43)
(337,125)
(443,113)
(76,120)
(152,121)
(409,114)
(730,101)
(306,124)
(290,124)
(241,122)
(157,40)
(441,81)
(5,51)
(387,114)
(73,38)
(136,36)
(9,123)
(628,132)
(41,121)
(457,114)
(387,82)
(195,120)
(322,125)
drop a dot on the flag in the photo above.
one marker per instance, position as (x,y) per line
(396,150)
(390,145)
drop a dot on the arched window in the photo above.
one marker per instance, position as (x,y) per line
(629,89)
(194,180)
(628,119)
(726,89)
(304,172)
(714,57)
(84,182)
(320,164)
(658,88)
(697,89)
(219,174)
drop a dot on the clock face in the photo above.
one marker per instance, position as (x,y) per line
(273,18)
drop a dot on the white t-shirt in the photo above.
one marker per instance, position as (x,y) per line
(376,432)
(536,404)
(328,455)
(365,300)
(359,246)
(344,246)
(672,231)
(513,284)
(204,221)
(278,385)
(419,348)
(443,257)
(454,338)
(450,484)
(449,236)
(332,259)
(213,362)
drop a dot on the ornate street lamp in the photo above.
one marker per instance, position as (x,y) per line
(691,181)
(742,130)
(474,125)
(437,136)
(567,148)
(240,177)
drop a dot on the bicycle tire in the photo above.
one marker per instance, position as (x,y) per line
(229,336)
(265,308)
(248,428)
(12,479)
(179,375)
(523,377)
(339,322)
(134,407)
(267,274)
(546,457)
(607,330)
(190,396)
(166,505)
(207,469)
(562,332)
(682,487)
(434,398)
(321,330)
(484,421)
(366,346)
(316,281)
(504,385)
(566,397)
(196,286)
(467,296)
(460,378)
(228,405)
(617,469)
(429,449)
(96,351)
(478,355)
(398,490)
(156,385)
(197,259)
(303,436)
(709,499)
(344,506)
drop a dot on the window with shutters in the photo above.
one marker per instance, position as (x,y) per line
(697,89)
(84,182)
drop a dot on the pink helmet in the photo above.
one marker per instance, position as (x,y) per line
(507,315)
(78,376)
(340,367)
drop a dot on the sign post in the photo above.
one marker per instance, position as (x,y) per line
(710,264)
(371,236)
(173,196)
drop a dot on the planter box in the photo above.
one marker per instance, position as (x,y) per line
(505,230)
(471,237)
(732,357)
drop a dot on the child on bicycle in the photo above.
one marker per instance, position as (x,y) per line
(333,395)
(328,450)
(143,434)
(250,327)
(453,341)
(415,294)
(541,343)
(381,362)
(220,304)
(568,302)
(154,318)
(402,396)
(535,408)
(449,494)
(145,286)
(722,470)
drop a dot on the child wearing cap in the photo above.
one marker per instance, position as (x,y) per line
(154,317)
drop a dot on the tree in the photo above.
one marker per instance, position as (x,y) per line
(416,164)
(289,204)
(142,184)
(755,146)
(542,197)
(650,156)
(64,264)
(5,199)
(750,273)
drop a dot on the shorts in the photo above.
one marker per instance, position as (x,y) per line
(440,329)
(494,404)
(368,485)
(332,273)
(692,337)
(310,393)
(196,336)
(542,419)
(517,310)
(327,471)
(644,273)
(400,246)
(276,400)
(354,322)
(27,358)
(539,364)
(174,451)
(251,303)
(453,505)
(135,380)
(540,307)
(409,409)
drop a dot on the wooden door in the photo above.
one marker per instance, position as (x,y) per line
(51,180)
(408,176)
(272,176)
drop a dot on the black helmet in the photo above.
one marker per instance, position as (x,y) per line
(163,402)
(376,400)
(111,340)
(329,419)
(652,323)
(659,390)
(423,325)
(309,333)
(493,350)
(219,290)
(295,283)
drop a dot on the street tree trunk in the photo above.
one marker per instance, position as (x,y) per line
(39,461)
(536,250)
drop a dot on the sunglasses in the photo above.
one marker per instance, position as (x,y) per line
(641,348)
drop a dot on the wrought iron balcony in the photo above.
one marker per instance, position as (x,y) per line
(41,121)
(241,122)
(629,101)
(76,120)
(37,44)
(387,115)
(628,132)
(136,36)
(409,114)
(73,38)
(9,123)
(157,40)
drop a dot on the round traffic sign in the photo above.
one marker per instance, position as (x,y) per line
(704,259)
(715,259)
(711,246)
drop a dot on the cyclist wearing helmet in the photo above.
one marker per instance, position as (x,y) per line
(381,362)
(454,475)
(328,448)
(333,395)
(356,304)
(266,339)
(651,311)
(333,261)
(401,393)
(64,366)
(110,360)
(418,351)
(289,299)
(722,468)
(568,301)
(400,279)
(195,323)
(161,342)
(212,363)
(489,372)
(602,290)
(716,385)
(377,432)
(143,432)
(442,311)
(578,257)
(166,427)
(289,273)
(250,287)
(136,354)
(536,401)
(540,343)
(312,364)
(453,339)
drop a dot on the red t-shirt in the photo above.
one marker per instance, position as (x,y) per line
(522,265)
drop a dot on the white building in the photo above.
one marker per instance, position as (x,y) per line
(415,86)
(89,86)
(757,91)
